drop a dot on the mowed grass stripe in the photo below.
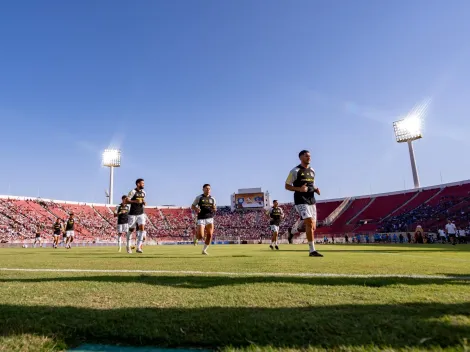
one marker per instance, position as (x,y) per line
(238,274)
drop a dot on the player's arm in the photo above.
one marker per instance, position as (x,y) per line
(290,183)
(194,206)
(115,212)
(214,206)
(129,200)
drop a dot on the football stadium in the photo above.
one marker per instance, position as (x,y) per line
(261,183)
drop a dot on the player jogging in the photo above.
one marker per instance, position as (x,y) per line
(205,207)
(56,231)
(121,212)
(136,214)
(451,231)
(69,231)
(301,181)
(276,215)
(37,239)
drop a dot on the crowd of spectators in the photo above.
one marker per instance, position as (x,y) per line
(429,216)
(21,219)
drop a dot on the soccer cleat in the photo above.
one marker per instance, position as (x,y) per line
(315,254)
(271,246)
(129,250)
(277,248)
(139,251)
(205,253)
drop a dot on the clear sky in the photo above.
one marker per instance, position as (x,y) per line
(228,92)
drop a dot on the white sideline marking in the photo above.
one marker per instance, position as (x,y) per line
(223,273)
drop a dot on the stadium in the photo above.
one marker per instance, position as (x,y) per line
(261,186)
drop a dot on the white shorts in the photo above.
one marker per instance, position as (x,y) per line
(122,228)
(275,228)
(38,239)
(307,211)
(69,233)
(205,222)
(136,219)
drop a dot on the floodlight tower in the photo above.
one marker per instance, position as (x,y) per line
(111,159)
(408,130)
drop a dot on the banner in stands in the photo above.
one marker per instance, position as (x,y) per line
(249,200)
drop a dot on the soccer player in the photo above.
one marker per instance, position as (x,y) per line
(205,207)
(276,215)
(37,239)
(121,212)
(136,198)
(57,230)
(451,231)
(301,181)
(69,231)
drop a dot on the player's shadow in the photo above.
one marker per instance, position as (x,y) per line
(334,327)
(201,282)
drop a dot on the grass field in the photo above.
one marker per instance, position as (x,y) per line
(241,297)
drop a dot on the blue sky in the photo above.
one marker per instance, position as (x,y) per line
(228,92)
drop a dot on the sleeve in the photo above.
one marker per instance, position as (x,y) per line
(215,203)
(196,201)
(116,211)
(282,211)
(131,194)
(292,177)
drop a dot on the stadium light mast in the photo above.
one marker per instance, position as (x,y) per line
(111,159)
(408,130)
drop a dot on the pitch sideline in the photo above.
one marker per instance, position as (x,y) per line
(235,274)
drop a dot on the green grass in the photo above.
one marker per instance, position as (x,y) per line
(56,311)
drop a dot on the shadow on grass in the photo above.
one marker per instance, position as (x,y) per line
(198,282)
(396,326)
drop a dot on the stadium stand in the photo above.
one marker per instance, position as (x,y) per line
(21,218)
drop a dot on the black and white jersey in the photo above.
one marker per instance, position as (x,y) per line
(137,208)
(57,228)
(70,225)
(298,177)
(207,204)
(122,211)
(276,216)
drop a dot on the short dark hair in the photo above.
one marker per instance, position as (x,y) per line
(275,201)
(139,180)
(205,185)
(123,197)
(303,152)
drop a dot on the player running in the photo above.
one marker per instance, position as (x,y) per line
(37,239)
(136,214)
(276,215)
(301,181)
(57,231)
(69,231)
(205,207)
(122,213)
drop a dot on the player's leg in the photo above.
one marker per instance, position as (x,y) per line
(131,226)
(310,227)
(72,235)
(200,229)
(274,237)
(67,239)
(141,233)
(121,232)
(209,228)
